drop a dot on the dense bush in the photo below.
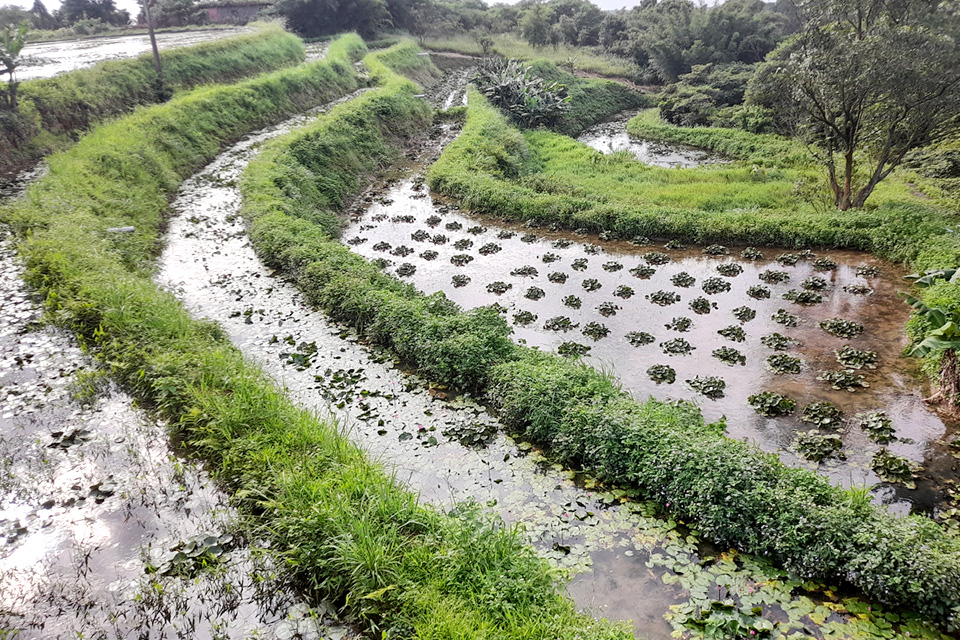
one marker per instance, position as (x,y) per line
(525,97)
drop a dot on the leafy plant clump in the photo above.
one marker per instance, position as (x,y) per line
(787,319)
(683,279)
(573,349)
(662,374)
(557,277)
(730,356)
(453,226)
(680,324)
(528,99)
(523,318)
(561,243)
(559,323)
(623,291)
(675,244)
(814,283)
(591,249)
(817,447)
(729,269)
(777,341)
(526,271)
(591,284)
(186,558)
(439,239)
(824,264)
(758,292)
(643,271)
(382,246)
(596,330)
(676,347)
(710,386)
(772,405)
(751,253)
(712,286)
(505,235)
(893,468)
(639,338)
(842,328)
(406,269)
(701,305)
(865,271)
(529,238)
(429,255)
(612,266)
(856,358)
(663,298)
(534,293)
(489,249)
(774,277)
(499,287)
(733,332)
(580,264)
(433,221)
(420,235)
(788,259)
(461,260)
(744,314)
(402,251)
(845,380)
(655,258)
(460,280)
(782,363)
(803,297)
(716,250)
(825,415)
(476,230)
(549,257)
(857,289)
(879,426)
(573,302)
(607,309)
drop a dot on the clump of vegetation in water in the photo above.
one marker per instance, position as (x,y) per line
(751,253)
(639,338)
(878,425)
(712,286)
(382,246)
(716,250)
(865,271)
(185,559)
(701,305)
(730,356)
(771,276)
(770,404)
(733,332)
(505,235)
(680,324)
(675,244)
(758,292)
(573,349)
(405,218)
(710,386)
(856,358)
(607,309)
(857,289)
(662,374)
(557,277)
(382,263)
(471,433)
(561,243)
(573,302)
(439,239)
(842,328)
(744,314)
(683,279)
(676,347)
(489,249)
(549,257)
(477,230)
(499,287)
(534,293)
(460,280)
(612,266)
(596,330)
(591,284)
(788,259)
(778,341)
(817,447)
(782,363)
(825,415)
(806,254)
(526,271)
(461,259)
(353,242)
(663,298)
(580,264)
(655,257)
(429,254)
(814,283)
(402,251)
(523,318)
(559,323)
(729,269)
(406,269)
(420,235)
(643,271)
(843,380)
(803,297)
(824,264)
(787,319)
(433,221)
(639,241)
(529,238)
(623,291)
(893,468)
(591,249)
(453,226)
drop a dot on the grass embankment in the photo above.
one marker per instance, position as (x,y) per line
(53,111)
(346,529)
(737,494)
(512,46)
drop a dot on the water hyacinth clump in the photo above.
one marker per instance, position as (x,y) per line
(505,235)
(499,287)
(716,250)
(710,386)
(580,264)
(893,468)
(461,260)
(879,427)
(623,291)
(529,238)
(782,363)
(596,330)
(729,269)
(758,292)
(777,341)
(402,251)
(857,289)
(591,249)
(865,271)
(429,254)
(643,271)
(682,279)
(382,246)
(534,293)
(439,239)
(856,358)
(639,338)
(813,283)
(845,380)
(453,226)
(655,257)
(405,218)
(824,264)
(557,277)
(573,302)
(751,253)
(787,319)
(733,332)
(712,286)
(559,323)
(676,347)
(730,356)
(701,305)
(803,297)
(774,277)
(607,309)
(573,349)
(523,318)
(420,235)
(744,314)
(681,324)
(612,267)
(489,249)
(433,221)
(817,447)
(842,328)
(356,241)
(477,230)
(675,244)
(663,298)
(662,374)
(772,405)
(406,269)
(788,259)
(526,271)
(460,280)
(591,284)
(549,257)
(561,243)
(825,415)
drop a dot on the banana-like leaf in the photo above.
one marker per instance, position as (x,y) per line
(933,344)
(927,278)
(938,316)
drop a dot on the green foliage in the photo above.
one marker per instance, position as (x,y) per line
(527,98)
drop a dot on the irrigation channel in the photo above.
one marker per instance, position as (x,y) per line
(628,561)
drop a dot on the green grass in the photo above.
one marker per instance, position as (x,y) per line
(55,110)
(347,531)
(736,494)
(512,46)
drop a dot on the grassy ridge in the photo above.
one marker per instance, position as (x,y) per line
(55,109)
(347,529)
(736,493)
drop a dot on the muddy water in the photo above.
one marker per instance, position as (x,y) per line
(611,136)
(523,273)
(47,59)
(630,562)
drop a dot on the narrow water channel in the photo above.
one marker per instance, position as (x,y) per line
(629,562)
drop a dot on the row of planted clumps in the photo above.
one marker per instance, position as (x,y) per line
(736,493)
(54,111)
(347,530)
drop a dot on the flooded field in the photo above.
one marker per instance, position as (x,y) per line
(611,136)
(47,59)
(629,560)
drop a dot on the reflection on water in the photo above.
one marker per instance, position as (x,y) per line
(611,136)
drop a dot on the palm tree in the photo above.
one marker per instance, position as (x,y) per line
(10,47)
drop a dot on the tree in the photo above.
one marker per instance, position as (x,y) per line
(72,11)
(863,83)
(174,13)
(536,25)
(41,18)
(11,43)
(324,17)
